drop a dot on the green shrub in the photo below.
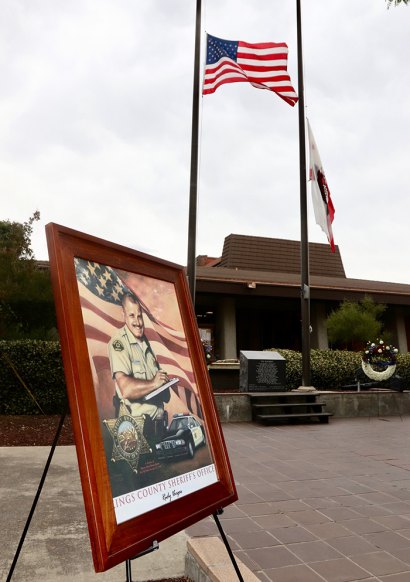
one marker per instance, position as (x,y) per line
(293,367)
(331,369)
(403,368)
(35,366)
(354,322)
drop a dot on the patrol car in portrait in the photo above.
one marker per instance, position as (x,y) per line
(184,435)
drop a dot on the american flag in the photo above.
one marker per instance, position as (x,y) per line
(264,65)
(101,289)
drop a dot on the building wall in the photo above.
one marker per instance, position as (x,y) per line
(319,339)
(226,319)
(257,323)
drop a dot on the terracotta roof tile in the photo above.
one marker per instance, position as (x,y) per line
(278,255)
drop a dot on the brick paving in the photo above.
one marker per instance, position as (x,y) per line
(320,502)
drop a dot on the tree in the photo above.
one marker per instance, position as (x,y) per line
(26,301)
(15,238)
(354,323)
(396,2)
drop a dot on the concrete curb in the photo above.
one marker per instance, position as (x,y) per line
(236,407)
(208,561)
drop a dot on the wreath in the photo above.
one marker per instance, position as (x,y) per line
(208,352)
(379,360)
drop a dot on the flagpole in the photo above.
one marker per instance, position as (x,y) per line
(193,191)
(304,243)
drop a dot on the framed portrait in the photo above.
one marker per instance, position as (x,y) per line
(145,424)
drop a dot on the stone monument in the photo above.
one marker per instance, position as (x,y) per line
(262,372)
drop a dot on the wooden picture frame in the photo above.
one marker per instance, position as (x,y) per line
(134,460)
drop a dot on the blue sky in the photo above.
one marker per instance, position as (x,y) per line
(95,125)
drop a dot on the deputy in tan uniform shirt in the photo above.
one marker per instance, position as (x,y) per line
(134,366)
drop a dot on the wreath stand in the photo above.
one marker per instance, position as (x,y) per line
(128,569)
(379,376)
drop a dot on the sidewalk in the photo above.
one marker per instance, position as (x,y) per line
(321,502)
(316,503)
(57,546)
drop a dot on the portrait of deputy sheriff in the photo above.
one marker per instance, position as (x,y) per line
(134,366)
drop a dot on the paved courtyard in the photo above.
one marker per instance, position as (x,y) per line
(320,502)
(317,502)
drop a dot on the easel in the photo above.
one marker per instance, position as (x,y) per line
(155,546)
(36,497)
(128,569)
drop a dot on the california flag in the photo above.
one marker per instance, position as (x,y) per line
(322,201)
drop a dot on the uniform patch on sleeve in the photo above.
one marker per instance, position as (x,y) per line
(118,346)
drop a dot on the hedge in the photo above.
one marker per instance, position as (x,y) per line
(36,366)
(332,369)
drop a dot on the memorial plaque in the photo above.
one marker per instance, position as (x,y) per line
(261,372)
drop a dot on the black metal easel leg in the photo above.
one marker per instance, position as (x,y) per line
(227,546)
(128,570)
(36,498)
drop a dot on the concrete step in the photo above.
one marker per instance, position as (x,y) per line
(271,418)
(289,405)
(207,560)
(283,399)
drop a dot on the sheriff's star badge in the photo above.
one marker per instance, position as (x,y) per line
(129,442)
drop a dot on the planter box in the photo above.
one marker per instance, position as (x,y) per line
(224,376)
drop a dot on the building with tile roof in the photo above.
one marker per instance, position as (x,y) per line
(249,298)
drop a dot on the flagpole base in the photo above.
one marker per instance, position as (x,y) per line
(305,389)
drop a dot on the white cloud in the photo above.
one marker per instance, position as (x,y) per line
(95,125)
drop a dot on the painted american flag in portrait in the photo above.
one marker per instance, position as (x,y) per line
(101,289)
